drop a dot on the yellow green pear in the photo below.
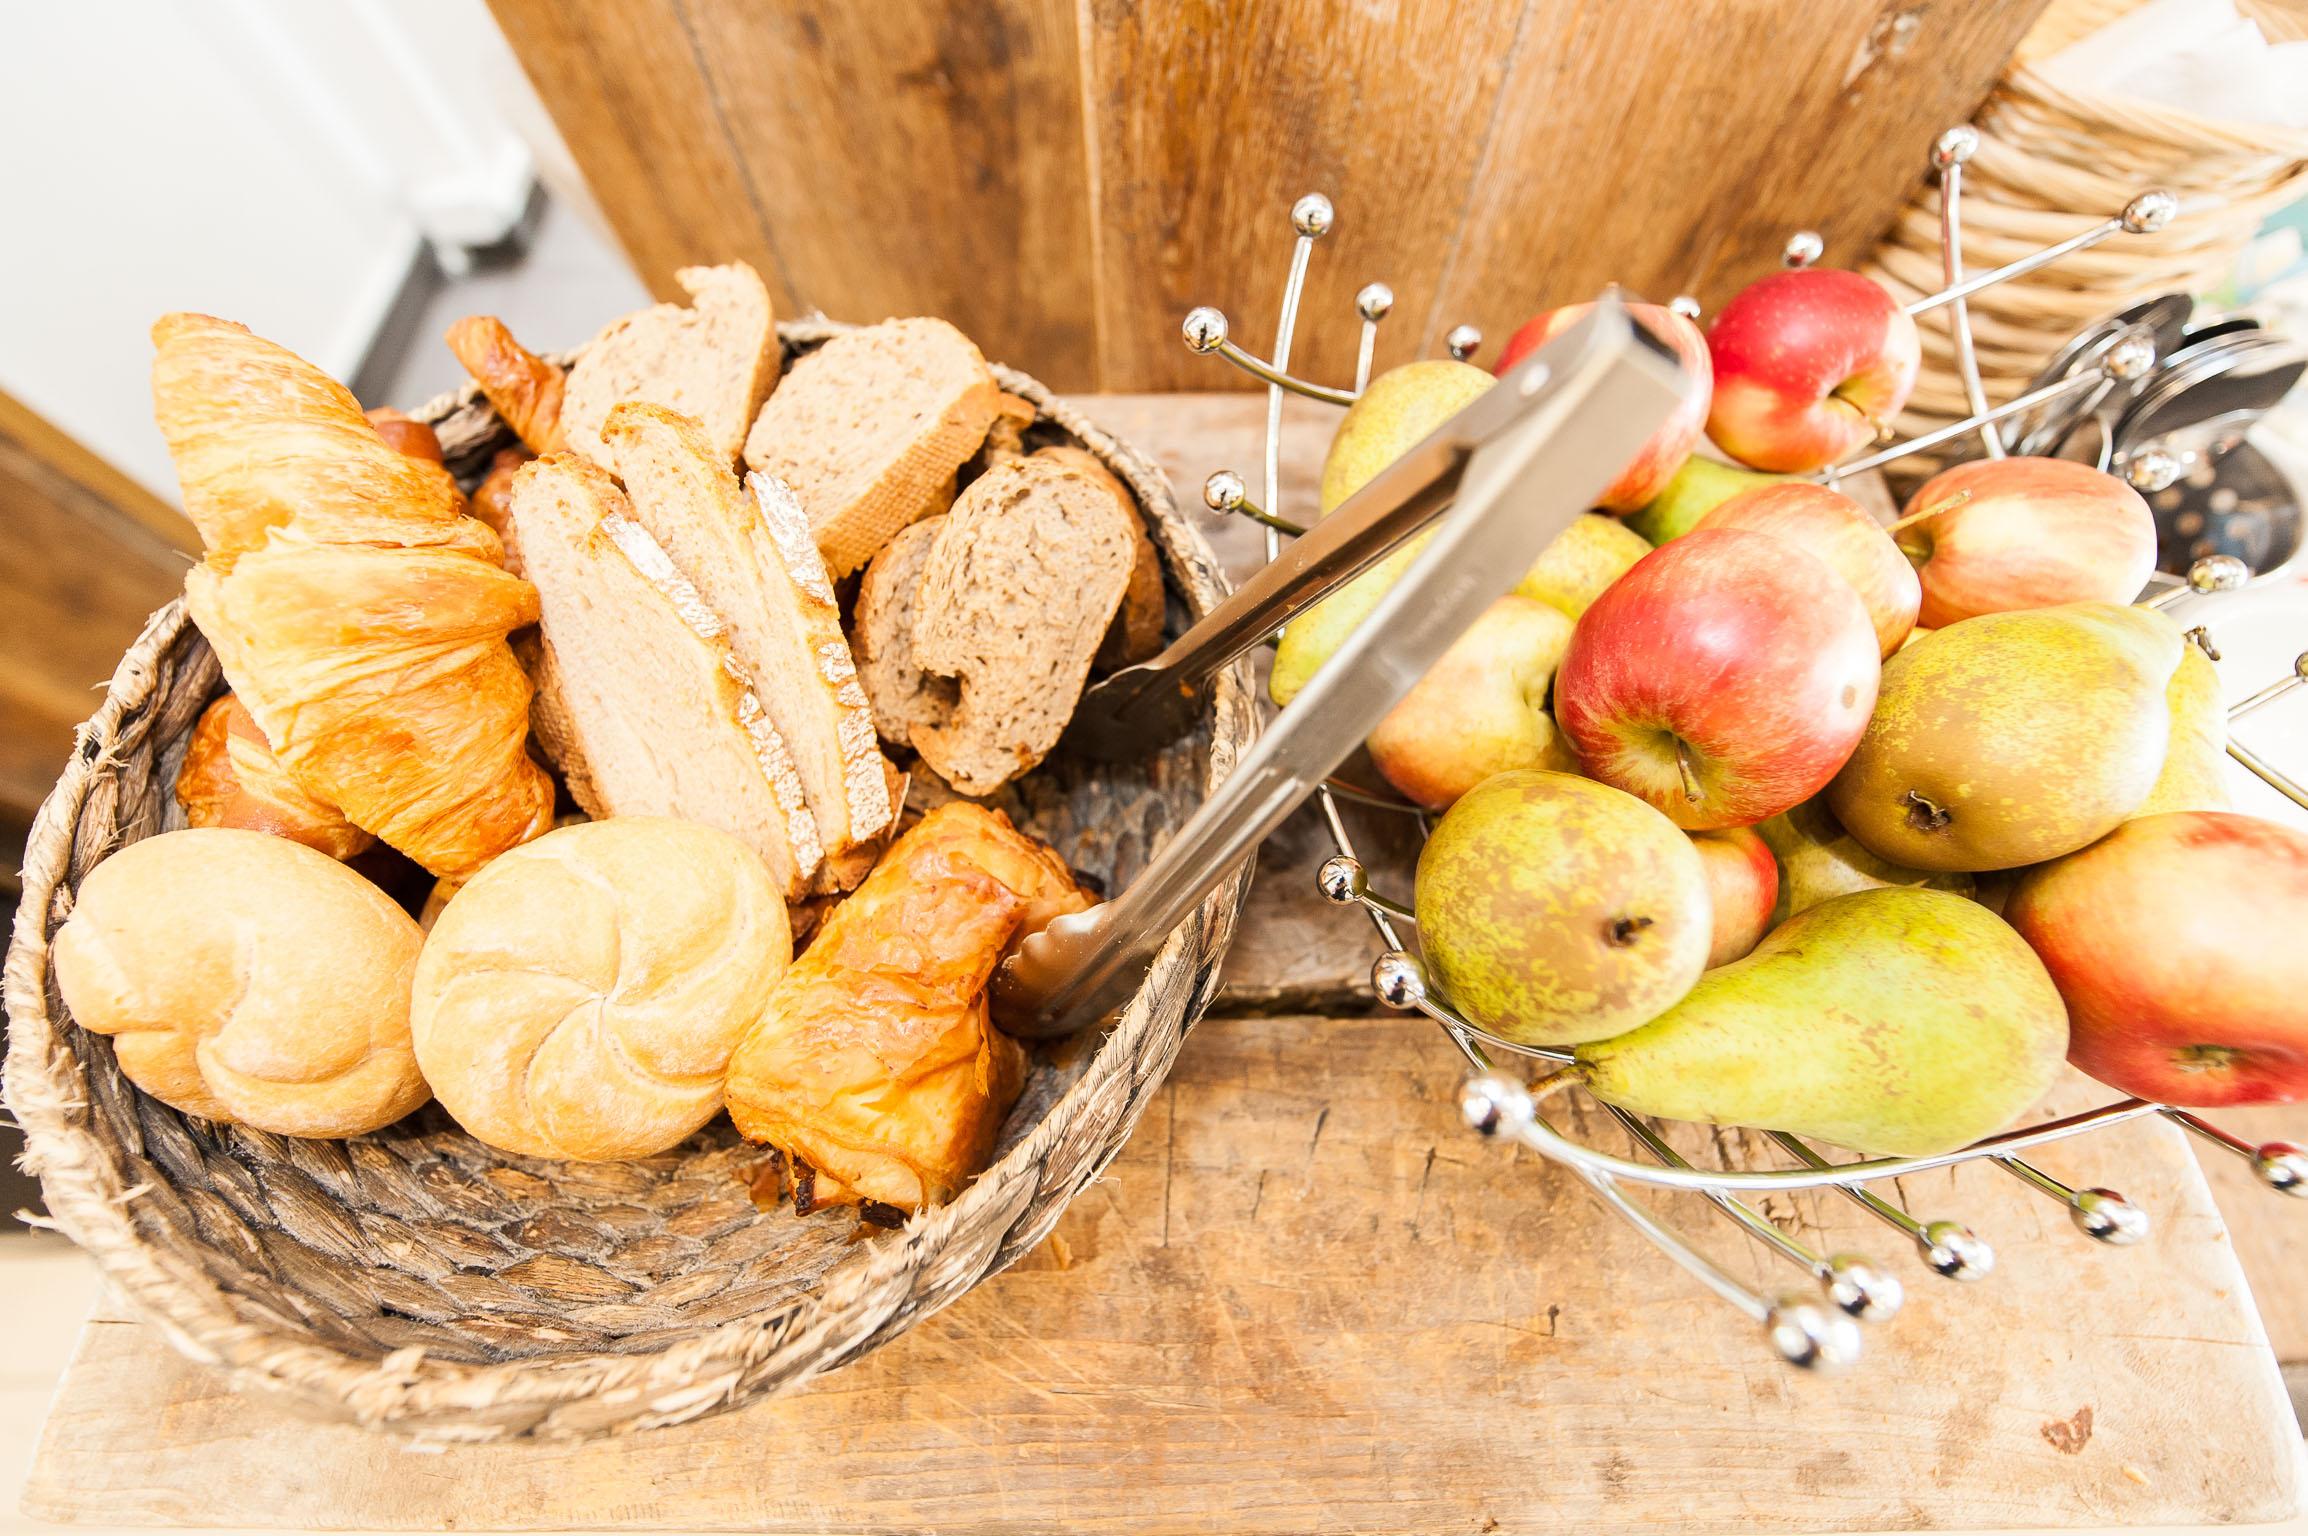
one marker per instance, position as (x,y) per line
(2194,776)
(1698,488)
(2011,738)
(1584,558)
(1819,860)
(1892,1021)
(1397,409)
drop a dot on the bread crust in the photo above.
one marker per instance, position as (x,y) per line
(713,361)
(903,696)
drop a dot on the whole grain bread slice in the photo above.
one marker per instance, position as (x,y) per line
(712,362)
(1015,594)
(1136,632)
(748,552)
(639,701)
(904,697)
(869,429)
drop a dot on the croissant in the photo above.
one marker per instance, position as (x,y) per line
(874,1068)
(355,608)
(230,778)
(525,389)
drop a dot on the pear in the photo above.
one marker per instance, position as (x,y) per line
(1699,487)
(1400,406)
(1892,1021)
(2195,774)
(1584,558)
(2011,738)
(1308,640)
(1552,909)
(1819,860)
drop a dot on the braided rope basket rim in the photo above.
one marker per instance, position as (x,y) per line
(94,1187)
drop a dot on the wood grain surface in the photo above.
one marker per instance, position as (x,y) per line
(1305,1297)
(1064,178)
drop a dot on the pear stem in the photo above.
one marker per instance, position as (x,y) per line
(1691,790)
(1559,1081)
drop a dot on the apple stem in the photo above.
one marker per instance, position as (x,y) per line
(1691,790)
(1923,514)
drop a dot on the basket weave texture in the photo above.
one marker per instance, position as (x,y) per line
(417,1280)
(2053,160)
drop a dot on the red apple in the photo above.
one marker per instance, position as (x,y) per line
(1724,679)
(1838,530)
(1809,365)
(2176,940)
(1743,887)
(1480,710)
(1995,535)
(1648,474)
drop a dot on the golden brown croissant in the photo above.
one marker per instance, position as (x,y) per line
(525,389)
(874,1068)
(230,778)
(355,608)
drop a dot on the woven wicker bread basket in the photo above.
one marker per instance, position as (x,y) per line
(2053,160)
(419,1281)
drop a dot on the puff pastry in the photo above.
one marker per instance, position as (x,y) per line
(874,1068)
(230,778)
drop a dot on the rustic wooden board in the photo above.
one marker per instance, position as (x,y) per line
(1305,1297)
(1063,178)
(2270,1232)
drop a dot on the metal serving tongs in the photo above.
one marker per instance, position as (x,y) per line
(1521,463)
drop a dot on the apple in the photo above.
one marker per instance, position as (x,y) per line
(1699,487)
(1809,365)
(1838,530)
(2176,941)
(1650,470)
(1742,887)
(1724,679)
(1996,535)
(1480,710)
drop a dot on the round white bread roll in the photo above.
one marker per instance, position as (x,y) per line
(244,977)
(581,996)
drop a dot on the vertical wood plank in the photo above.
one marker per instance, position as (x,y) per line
(1673,148)
(1209,117)
(924,158)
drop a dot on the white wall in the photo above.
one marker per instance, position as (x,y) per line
(275,162)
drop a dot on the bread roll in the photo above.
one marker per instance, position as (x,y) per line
(581,995)
(230,778)
(247,978)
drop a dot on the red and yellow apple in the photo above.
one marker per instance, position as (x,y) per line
(1809,366)
(2176,941)
(1742,889)
(1838,530)
(1651,469)
(1722,680)
(1996,535)
(1480,710)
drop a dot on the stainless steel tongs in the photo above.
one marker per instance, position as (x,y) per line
(1520,464)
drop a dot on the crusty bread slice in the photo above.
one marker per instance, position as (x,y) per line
(1136,632)
(904,697)
(748,552)
(639,702)
(869,429)
(1015,594)
(712,362)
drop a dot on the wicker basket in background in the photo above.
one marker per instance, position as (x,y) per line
(418,1280)
(2053,160)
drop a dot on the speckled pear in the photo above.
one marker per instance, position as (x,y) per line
(1893,1021)
(2195,773)
(1819,860)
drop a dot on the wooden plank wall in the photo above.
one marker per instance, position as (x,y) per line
(1064,178)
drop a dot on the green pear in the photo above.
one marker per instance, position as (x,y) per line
(2011,738)
(1400,406)
(1891,1021)
(1699,487)
(1819,860)
(2195,774)
(1553,909)
(1584,558)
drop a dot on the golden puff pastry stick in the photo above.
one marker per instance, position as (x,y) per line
(354,607)
(524,388)
(874,1068)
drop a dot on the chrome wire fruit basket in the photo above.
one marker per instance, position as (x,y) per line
(1815,1328)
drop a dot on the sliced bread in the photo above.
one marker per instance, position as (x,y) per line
(869,429)
(1136,632)
(639,701)
(1015,594)
(748,552)
(903,696)
(712,362)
